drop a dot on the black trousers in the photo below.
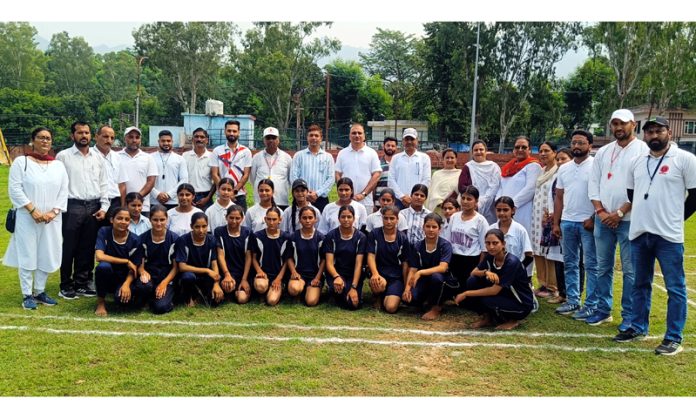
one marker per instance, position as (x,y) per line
(321,202)
(79,236)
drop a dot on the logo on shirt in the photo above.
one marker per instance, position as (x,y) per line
(664,169)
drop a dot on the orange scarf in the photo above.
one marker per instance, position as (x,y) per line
(513,166)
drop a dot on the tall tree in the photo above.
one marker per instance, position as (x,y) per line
(347,79)
(188,54)
(72,65)
(117,76)
(278,65)
(21,63)
(588,94)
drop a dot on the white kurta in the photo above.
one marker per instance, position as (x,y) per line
(485,177)
(442,184)
(521,188)
(37,246)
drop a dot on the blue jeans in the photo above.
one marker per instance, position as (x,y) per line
(574,235)
(644,250)
(605,241)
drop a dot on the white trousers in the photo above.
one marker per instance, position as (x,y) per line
(37,278)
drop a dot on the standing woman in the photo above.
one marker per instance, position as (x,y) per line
(387,259)
(444,182)
(330,217)
(519,181)
(271,250)
(416,213)
(485,176)
(345,253)
(498,288)
(157,270)
(551,246)
(255,217)
(308,263)
(38,189)
(291,215)
(181,215)
(546,269)
(234,254)
(217,213)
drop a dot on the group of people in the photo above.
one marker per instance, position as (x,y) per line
(165,227)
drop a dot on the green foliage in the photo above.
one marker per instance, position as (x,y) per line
(588,94)
(117,76)
(72,66)
(22,65)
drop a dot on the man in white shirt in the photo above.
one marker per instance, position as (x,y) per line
(408,168)
(573,217)
(232,160)
(197,161)
(112,163)
(316,167)
(88,202)
(138,171)
(172,172)
(607,191)
(360,163)
(274,164)
(658,182)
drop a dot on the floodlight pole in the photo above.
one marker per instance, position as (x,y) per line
(473,100)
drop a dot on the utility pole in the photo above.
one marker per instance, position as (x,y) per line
(137,92)
(326,112)
(298,110)
(473,100)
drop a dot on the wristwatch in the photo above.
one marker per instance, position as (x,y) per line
(620,213)
(56,211)
(354,286)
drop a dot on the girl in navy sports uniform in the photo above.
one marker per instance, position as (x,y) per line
(117,251)
(196,255)
(307,263)
(157,271)
(271,249)
(429,280)
(387,259)
(498,288)
(345,253)
(517,240)
(234,254)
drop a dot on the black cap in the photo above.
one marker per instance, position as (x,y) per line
(299,183)
(656,120)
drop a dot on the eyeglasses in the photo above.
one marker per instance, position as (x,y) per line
(579,143)
(43,138)
(521,147)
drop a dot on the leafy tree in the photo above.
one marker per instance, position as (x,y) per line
(347,80)
(117,76)
(374,99)
(72,65)
(588,94)
(22,65)
(188,54)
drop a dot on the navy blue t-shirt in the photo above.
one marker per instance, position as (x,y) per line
(201,256)
(271,252)
(345,251)
(421,259)
(129,250)
(159,256)
(235,248)
(388,255)
(307,253)
(513,278)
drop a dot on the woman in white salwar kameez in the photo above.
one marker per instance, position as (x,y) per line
(38,189)
(444,182)
(485,176)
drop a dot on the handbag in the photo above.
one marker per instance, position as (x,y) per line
(11,220)
(547,238)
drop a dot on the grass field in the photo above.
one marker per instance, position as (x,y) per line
(255,350)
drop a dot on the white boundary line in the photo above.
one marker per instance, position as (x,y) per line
(690,302)
(469,333)
(332,340)
(688,289)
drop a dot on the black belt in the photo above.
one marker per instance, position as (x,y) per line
(83,202)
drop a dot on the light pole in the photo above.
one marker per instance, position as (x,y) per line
(473,100)
(137,91)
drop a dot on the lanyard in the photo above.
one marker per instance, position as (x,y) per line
(271,165)
(164,164)
(652,176)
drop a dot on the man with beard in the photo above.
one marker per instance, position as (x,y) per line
(573,219)
(138,171)
(410,167)
(389,148)
(607,191)
(197,161)
(172,172)
(316,167)
(88,202)
(112,163)
(232,160)
(657,183)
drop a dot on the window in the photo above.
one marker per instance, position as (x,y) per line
(689,127)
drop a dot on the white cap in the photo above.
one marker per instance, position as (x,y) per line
(624,115)
(270,131)
(410,132)
(131,129)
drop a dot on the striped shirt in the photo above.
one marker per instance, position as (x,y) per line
(316,169)
(382,183)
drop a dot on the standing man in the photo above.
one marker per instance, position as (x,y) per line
(88,202)
(232,160)
(197,161)
(172,172)
(274,164)
(389,147)
(607,191)
(360,163)
(112,162)
(138,171)
(316,167)
(657,183)
(573,218)
(410,167)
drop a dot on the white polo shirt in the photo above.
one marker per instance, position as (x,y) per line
(135,170)
(573,179)
(329,217)
(172,172)
(611,167)
(198,170)
(405,171)
(662,213)
(358,166)
(275,167)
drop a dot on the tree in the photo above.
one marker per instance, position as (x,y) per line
(374,100)
(347,80)
(21,63)
(72,65)
(278,65)
(117,76)
(588,94)
(189,54)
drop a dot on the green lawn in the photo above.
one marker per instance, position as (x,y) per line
(293,350)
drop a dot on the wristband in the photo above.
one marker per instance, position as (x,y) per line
(336,276)
(600,210)
(32,210)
